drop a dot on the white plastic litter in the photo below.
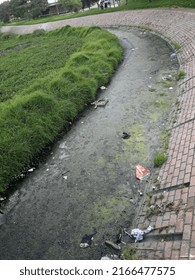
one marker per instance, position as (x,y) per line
(149,229)
(139,234)
(31,169)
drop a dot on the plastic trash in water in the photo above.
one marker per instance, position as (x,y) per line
(86,240)
(166,77)
(173,55)
(100,103)
(141,173)
(31,169)
(149,229)
(102,87)
(125,135)
(139,234)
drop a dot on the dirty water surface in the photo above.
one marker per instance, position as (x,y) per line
(87,184)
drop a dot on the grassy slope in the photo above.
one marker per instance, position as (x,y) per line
(132,4)
(31,118)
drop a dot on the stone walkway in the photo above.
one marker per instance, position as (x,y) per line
(175,197)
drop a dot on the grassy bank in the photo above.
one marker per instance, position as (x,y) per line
(124,5)
(47,78)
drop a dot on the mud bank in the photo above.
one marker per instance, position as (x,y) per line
(88,181)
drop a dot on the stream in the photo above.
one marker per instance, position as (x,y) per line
(87,184)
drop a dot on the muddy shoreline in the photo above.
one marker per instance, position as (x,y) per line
(88,182)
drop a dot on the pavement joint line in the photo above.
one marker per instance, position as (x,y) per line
(180,124)
(184,92)
(187,80)
(167,236)
(186,60)
(175,187)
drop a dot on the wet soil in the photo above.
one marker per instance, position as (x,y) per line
(88,182)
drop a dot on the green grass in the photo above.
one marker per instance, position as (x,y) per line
(159,159)
(181,75)
(45,85)
(132,4)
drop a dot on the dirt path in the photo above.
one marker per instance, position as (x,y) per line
(88,181)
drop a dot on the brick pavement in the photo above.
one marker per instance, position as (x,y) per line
(175,195)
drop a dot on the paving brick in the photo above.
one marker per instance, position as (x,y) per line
(176,245)
(179,225)
(187,232)
(190,203)
(175,255)
(166,217)
(192,181)
(178,194)
(187,178)
(184,197)
(193,239)
(185,247)
(168,249)
(188,217)
(192,191)
(193,221)
(192,254)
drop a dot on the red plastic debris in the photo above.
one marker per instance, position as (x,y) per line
(141,173)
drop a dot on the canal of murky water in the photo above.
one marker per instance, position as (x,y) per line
(88,182)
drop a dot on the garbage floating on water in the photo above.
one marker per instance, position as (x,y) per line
(166,77)
(102,87)
(86,240)
(138,234)
(125,135)
(31,169)
(140,193)
(100,103)
(141,173)
(173,55)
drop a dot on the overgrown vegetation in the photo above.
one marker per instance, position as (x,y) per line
(159,159)
(181,75)
(129,253)
(46,80)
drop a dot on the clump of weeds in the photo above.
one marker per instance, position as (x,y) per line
(181,74)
